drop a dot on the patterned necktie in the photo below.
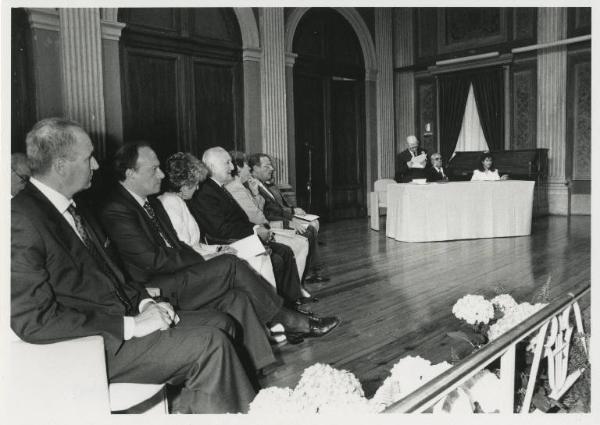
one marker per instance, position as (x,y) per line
(156,224)
(97,256)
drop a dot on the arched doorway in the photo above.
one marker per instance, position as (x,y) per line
(182,78)
(329,116)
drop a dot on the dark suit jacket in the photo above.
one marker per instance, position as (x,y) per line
(276,207)
(141,247)
(58,290)
(218,214)
(405,174)
(433,175)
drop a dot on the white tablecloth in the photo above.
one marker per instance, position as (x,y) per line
(459,210)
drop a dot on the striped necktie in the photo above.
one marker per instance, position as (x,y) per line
(156,224)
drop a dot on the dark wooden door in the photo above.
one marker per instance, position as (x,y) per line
(329,116)
(182,79)
(346,147)
(311,179)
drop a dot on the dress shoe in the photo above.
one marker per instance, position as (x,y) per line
(316,278)
(316,327)
(308,300)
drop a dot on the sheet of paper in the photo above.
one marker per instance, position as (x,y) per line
(307,217)
(248,247)
(419,161)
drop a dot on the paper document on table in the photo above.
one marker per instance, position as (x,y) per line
(248,247)
(307,217)
(419,161)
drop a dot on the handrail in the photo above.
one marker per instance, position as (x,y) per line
(467,367)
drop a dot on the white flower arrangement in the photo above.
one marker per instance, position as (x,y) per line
(512,318)
(504,302)
(473,309)
(406,376)
(322,389)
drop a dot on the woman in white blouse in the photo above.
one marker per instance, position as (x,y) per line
(183,173)
(486,170)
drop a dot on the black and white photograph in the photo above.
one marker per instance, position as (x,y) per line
(311,212)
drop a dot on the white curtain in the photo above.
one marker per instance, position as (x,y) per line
(471,136)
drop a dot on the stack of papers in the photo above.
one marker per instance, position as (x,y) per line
(307,217)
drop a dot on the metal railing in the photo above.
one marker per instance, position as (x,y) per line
(556,316)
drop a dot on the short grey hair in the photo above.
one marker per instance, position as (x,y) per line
(436,154)
(49,139)
(209,156)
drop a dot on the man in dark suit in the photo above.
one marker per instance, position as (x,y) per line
(276,208)
(148,245)
(412,162)
(218,213)
(65,284)
(436,172)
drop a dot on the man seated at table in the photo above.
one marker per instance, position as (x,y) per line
(65,284)
(436,172)
(412,162)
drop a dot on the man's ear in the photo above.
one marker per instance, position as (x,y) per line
(129,173)
(59,165)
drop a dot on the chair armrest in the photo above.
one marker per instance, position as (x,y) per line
(66,378)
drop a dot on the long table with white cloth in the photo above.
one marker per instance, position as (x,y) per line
(459,210)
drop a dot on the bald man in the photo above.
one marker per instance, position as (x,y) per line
(412,162)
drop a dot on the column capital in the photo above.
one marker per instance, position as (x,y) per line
(290,59)
(252,55)
(111,30)
(43,18)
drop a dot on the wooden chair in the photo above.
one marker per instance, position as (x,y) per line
(377,200)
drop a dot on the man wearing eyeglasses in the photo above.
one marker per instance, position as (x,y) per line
(19,172)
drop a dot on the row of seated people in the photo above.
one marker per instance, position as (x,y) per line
(415,163)
(77,272)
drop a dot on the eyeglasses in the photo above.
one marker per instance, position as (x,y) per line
(23,179)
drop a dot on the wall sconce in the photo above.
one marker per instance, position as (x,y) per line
(428,129)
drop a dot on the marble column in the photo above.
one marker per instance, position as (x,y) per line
(552,95)
(252,121)
(290,60)
(404,79)
(273,93)
(45,58)
(385,92)
(111,65)
(82,76)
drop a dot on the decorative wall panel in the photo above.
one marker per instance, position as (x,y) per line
(426,115)
(582,121)
(524,108)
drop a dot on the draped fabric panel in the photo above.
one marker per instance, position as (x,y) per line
(488,88)
(471,137)
(453,91)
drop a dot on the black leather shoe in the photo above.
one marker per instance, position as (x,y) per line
(316,278)
(308,300)
(316,327)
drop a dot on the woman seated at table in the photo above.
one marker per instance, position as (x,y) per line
(183,174)
(486,170)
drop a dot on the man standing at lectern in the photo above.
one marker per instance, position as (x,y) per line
(411,163)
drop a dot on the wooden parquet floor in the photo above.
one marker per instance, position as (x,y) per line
(395,298)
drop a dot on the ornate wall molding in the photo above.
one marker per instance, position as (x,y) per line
(43,19)
(251,54)
(111,30)
(248,27)
(357,23)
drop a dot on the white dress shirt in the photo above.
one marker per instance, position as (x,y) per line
(61,203)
